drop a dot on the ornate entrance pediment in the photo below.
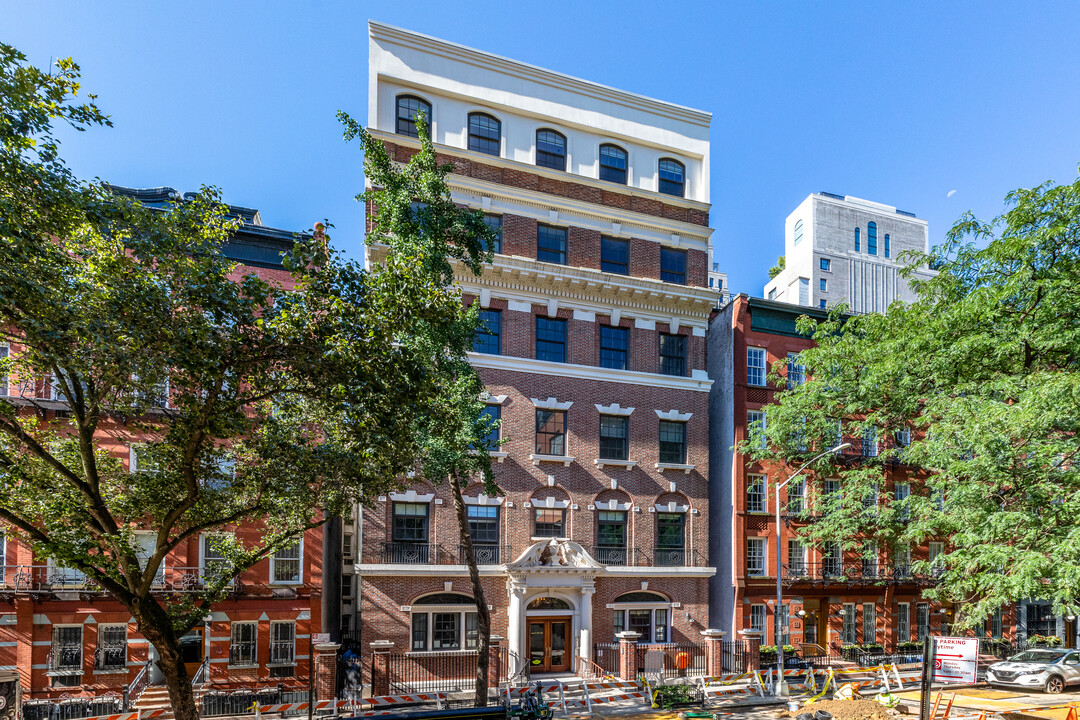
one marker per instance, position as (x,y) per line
(558,555)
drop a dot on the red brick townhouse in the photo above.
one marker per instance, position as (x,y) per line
(596,306)
(66,638)
(831,598)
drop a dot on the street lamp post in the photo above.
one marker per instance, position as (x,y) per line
(781,684)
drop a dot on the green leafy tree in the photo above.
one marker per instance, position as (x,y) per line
(984,371)
(285,404)
(412,203)
(778,268)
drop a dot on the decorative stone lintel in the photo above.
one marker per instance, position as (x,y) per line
(674,467)
(564,459)
(604,462)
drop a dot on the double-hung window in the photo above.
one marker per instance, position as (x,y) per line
(673,265)
(847,635)
(615,255)
(670,539)
(796,496)
(901,492)
(611,537)
(551,149)
(832,559)
(66,655)
(796,371)
(444,621)
(613,164)
(549,522)
(672,177)
(870,559)
(755,366)
(922,620)
(493,413)
(796,558)
(214,564)
(614,347)
(869,442)
(550,339)
(409,533)
(111,652)
(757,618)
(282,648)
(495,224)
(551,244)
(614,437)
(484,133)
(903,622)
(489,333)
(285,564)
(673,354)
(869,624)
(826,264)
(484,529)
(672,442)
(550,432)
(755,493)
(408,107)
(244,644)
(755,424)
(755,556)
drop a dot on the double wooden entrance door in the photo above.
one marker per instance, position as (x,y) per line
(549,640)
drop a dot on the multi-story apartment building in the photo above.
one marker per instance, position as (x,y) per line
(66,638)
(844,249)
(831,597)
(596,306)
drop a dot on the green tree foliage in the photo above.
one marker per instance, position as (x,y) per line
(282,402)
(983,370)
(412,205)
(778,268)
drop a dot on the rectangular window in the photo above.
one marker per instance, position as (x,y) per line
(641,622)
(826,264)
(283,644)
(670,540)
(902,560)
(614,443)
(615,255)
(488,337)
(550,339)
(483,525)
(494,223)
(903,622)
(796,496)
(796,371)
(785,624)
(614,347)
(673,265)
(888,247)
(772,294)
(869,442)
(995,624)
(243,643)
(937,565)
(419,631)
(903,437)
(611,536)
(111,652)
(755,426)
(660,625)
(823,285)
(847,635)
(832,559)
(870,559)
(67,649)
(870,500)
(285,564)
(755,556)
(214,564)
(755,366)
(551,432)
(494,414)
(821,304)
(673,354)
(755,493)
(869,623)
(804,291)
(472,631)
(796,558)
(410,522)
(551,244)
(922,620)
(901,491)
(549,522)
(446,631)
(672,442)
(757,619)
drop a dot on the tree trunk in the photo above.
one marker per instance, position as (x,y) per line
(483,616)
(155,625)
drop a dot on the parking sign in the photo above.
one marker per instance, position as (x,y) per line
(955,659)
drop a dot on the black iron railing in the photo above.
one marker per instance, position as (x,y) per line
(68,709)
(243,652)
(485,554)
(675,557)
(671,660)
(606,655)
(611,554)
(453,671)
(836,571)
(240,702)
(409,553)
(734,656)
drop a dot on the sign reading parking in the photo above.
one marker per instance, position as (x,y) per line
(955,659)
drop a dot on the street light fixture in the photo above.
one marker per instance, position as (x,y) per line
(781,685)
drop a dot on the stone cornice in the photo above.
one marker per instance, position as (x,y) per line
(510,363)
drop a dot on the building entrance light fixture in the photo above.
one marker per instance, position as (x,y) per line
(781,685)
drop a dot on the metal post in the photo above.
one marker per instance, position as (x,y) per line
(928,663)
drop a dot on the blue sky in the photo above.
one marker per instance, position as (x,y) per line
(895,102)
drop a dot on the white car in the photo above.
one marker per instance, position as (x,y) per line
(1049,669)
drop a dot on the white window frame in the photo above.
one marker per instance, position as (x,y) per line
(299,565)
(202,554)
(902,560)
(870,442)
(462,611)
(623,610)
(61,576)
(934,550)
(848,630)
(757,488)
(869,622)
(756,417)
(140,555)
(97,647)
(756,549)
(82,649)
(255,643)
(901,492)
(270,659)
(759,619)
(870,559)
(797,565)
(903,622)
(828,557)
(756,374)
(922,621)
(5,380)
(800,483)
(796,371)
(133,461)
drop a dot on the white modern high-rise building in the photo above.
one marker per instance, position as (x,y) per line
(844,249)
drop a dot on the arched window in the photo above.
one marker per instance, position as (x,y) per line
(548,603)
(856,239)
(642,612)
(408,106)
(672,177)
(444,621)
(613,164)
(551,149)
(484,133)
(871,238)
(798,232)
(887,245)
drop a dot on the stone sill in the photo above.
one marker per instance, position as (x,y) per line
(564,459)
(625,464)
(674,467)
